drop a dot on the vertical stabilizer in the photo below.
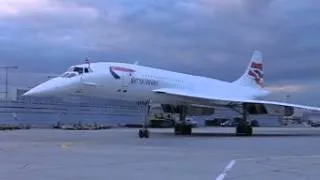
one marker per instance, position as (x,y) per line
(253,76)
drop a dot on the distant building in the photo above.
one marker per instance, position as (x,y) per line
(44,112)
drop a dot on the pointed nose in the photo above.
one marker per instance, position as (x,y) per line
(32,92)
(53,87)
(39,91)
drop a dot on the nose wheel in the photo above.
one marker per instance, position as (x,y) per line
(144,133)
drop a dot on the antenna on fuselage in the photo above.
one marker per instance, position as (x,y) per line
(136,63)
(87,61)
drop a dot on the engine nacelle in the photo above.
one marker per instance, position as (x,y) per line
(191,110)
(278,110)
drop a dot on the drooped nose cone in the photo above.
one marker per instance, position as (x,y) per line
(54,87)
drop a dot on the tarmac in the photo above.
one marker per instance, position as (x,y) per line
(118,154)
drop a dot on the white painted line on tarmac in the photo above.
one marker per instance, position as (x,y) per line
(225,170)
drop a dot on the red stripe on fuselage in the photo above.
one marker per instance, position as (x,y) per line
(123,69)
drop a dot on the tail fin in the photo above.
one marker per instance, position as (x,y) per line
(253,76)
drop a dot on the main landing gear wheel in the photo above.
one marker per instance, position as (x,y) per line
(144,133)
(182,129)
(244,130)
(244,127)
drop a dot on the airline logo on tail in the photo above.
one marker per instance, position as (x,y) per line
(113,70)
(256,72)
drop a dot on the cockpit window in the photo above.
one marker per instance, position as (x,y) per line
(74,71)
(70,75)
(78,69)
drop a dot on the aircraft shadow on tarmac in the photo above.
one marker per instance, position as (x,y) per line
(265,134)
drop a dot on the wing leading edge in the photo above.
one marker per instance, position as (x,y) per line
(210,99)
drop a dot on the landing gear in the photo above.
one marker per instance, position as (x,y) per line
(182,127)
(144,132)
(244,128)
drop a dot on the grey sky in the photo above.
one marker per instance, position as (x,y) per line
(213,38)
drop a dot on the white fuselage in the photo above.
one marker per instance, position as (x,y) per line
(133,82)
(136,83)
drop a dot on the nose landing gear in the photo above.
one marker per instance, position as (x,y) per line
(144,131)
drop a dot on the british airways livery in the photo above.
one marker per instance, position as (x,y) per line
(177,91)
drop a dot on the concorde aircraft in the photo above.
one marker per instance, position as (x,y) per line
(175,91)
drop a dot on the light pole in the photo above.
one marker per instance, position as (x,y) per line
(6,69)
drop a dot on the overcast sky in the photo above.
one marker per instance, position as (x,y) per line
(213,38)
